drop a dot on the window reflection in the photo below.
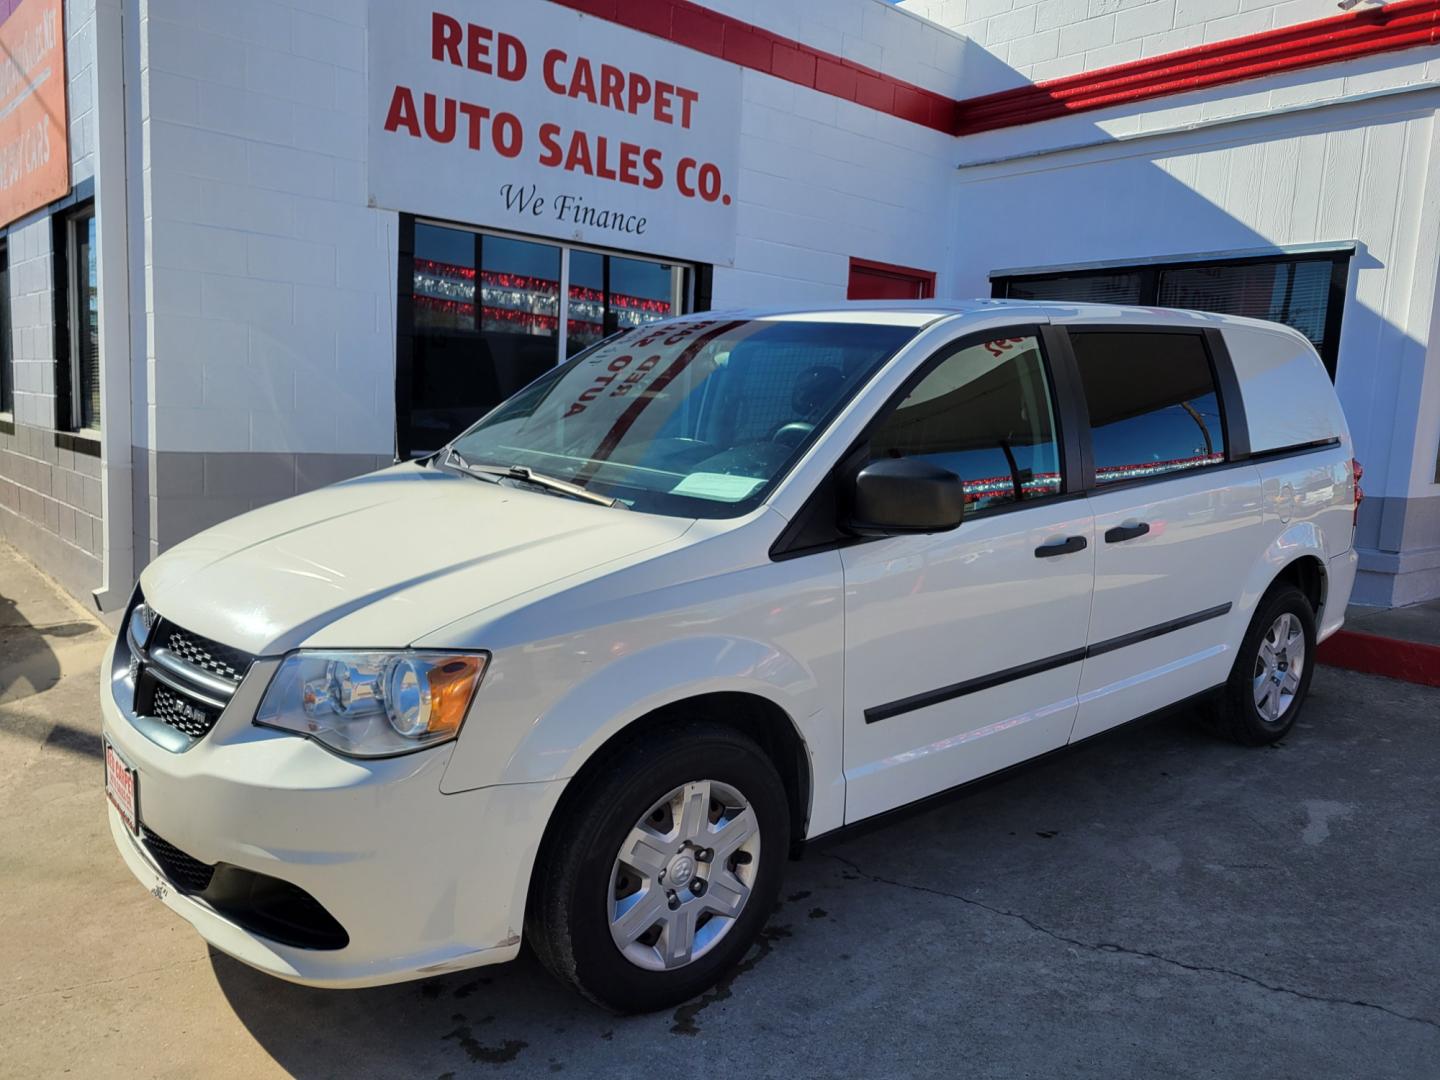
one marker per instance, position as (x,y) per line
(444,278)
(983,413)
(520,287)
(486,317)
(587,300)
(1152,401)
(640,292)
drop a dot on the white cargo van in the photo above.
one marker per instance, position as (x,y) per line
(713,588)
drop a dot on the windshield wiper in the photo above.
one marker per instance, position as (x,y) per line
(525,475)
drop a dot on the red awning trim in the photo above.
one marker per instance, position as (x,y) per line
(746,45)
(1403,24)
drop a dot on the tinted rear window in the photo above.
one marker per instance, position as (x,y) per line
(1153,404)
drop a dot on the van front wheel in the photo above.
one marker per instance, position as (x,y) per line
(1271,677)
(659,873)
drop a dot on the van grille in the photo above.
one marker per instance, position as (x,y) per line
(182,713)
(187,873)
(221,660)
(176,678)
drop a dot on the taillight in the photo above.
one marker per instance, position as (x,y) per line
(1357,471)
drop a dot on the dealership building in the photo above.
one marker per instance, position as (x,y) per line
(253,248)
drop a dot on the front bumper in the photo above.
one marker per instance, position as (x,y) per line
(421,882)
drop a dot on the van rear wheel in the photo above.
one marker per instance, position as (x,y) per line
(1268,685)
(659,872)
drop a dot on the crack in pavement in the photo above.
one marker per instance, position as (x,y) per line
(1113,948)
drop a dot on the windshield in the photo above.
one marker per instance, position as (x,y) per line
(696,418)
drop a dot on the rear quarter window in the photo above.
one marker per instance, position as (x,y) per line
(1289,399)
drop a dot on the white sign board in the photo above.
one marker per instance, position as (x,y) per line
(534,118)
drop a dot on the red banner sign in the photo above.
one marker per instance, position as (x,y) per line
(34,147)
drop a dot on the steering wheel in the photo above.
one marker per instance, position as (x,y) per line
(791,433)
(814,390)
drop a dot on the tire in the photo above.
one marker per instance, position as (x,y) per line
(636,800)
(1253,712)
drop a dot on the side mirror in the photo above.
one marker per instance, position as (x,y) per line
(905,495)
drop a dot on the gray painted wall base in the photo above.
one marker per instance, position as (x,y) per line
(50,507)
(1399,545)
(180,493)
(78,572)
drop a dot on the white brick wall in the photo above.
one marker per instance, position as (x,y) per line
(50,502)
(80,89)
(1285,180)
(822,180)
(270,291)
(270,283)
(1098,33)
(32,324)
(31,268)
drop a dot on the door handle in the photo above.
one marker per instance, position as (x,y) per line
(1061,547)
(1120,533)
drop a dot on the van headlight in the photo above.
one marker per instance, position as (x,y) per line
(373,704)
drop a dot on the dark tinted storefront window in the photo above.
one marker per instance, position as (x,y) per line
(87,322)
(587,300)
(7,368)
(610,293)
(1153,405)
(1121,287)
(77,319)
(482,318)
(444,279)
(640,292)
(1294,293)
(1304,292)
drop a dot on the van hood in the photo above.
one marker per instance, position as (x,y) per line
(384,559)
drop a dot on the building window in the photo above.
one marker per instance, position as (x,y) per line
(77,309)
(1153,404)
(7,354)
(984,413)
(481,317)
(1305,292)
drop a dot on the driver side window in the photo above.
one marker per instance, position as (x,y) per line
(984,413)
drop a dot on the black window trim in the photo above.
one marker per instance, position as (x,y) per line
(826,499)
(1233,422)
(7,347)
(69,434)
(1338,256)
(1077,458)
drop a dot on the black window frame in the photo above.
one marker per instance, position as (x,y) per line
(7,344)
(70,425)
(1062,422)
(817,526)
(1233,426)
(1151,273)
(697,290)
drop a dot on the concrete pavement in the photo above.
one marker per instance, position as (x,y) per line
(1155,903)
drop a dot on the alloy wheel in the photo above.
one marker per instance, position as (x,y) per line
(1279,668)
